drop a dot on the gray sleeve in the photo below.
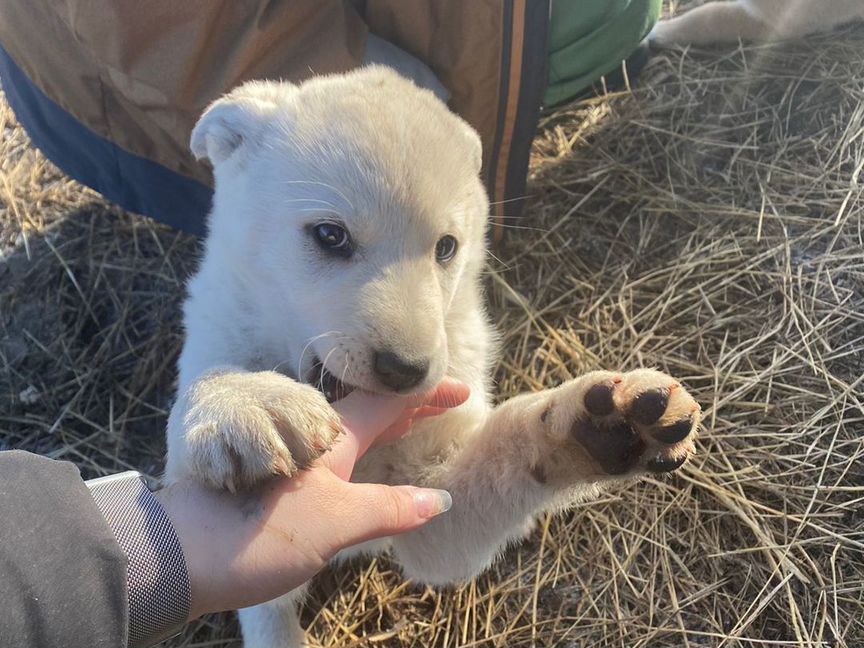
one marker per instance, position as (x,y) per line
(62,572)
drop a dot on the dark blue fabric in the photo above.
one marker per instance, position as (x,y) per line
(135,183)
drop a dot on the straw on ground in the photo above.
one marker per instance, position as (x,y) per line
(708,224)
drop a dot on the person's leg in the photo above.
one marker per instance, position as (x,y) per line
(590,39)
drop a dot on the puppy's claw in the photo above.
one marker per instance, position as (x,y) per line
(281,466)
(675,433)
(661,464)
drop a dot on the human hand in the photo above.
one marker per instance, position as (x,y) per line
(249,548)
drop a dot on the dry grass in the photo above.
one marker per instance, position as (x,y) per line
(709,224)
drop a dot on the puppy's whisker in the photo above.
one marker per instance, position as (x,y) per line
(318,209)
(279,364)
(309,200)
(345,370)
(322,184)
(509,200)
(503,265)
(309,343)
(544,230)
(320,385)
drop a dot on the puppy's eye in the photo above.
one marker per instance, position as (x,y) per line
(333,238)
(445,249)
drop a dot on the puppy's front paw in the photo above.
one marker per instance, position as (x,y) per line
(607,424)
(240,428)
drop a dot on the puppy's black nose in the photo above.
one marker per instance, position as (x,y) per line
(397,373)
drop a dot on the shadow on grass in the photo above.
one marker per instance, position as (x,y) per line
(90,333)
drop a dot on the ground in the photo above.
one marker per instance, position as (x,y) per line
(708,223)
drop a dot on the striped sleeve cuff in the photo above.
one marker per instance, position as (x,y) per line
(156,577)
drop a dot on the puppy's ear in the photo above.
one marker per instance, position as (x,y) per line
(234,122)
(475,145)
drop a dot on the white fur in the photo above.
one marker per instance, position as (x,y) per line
(393,164)
(754,20)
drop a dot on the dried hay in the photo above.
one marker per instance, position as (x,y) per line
(709,224)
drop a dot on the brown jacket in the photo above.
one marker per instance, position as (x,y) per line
(140,74)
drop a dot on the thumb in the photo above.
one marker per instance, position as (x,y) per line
(375,511)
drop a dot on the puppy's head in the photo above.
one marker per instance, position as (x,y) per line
(351,213)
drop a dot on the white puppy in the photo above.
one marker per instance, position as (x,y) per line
(346,245)
(754,20)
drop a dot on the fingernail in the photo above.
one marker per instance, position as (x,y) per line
(432,501)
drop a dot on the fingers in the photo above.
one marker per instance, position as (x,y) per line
(372,511)
(427,410)
(398,429)
(368,417)
(449,393)
(364,417)
(368,414)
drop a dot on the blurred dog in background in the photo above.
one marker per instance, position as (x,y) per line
(754,20)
